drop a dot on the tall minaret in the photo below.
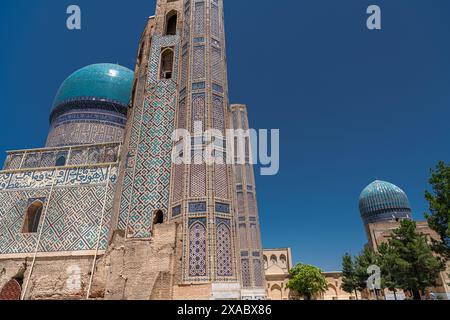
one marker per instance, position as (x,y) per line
(181,83)
(202,194)
(249,232)
(144,183)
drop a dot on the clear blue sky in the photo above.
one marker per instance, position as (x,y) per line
(352,105)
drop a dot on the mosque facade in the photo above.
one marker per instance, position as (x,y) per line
(103,211)
(383,206)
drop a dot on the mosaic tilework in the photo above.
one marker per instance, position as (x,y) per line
(202,181)
(254,235)
(221,180)
(249,232)
(215,21)
(73,214)
(29,180)
(241,208)
(199,18)
(197,207)
(78,155)
(198,110)
(218,114)
(176,211)
(251,203)
(258,273)
(153,161)
(199,62)
(222,207)
(243,235)
(197,249)
(198,178)
(184,69)
(178,178)
(76,133)
(182,115)
(74,217)
(224,251)
(147,177)
(216,65)
(245,266)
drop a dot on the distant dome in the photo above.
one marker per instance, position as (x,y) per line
(381,201)
(91,106)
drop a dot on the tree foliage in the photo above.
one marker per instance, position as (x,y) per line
(439,202)
(409,260)
(307,281)
(349,280)
(363,261)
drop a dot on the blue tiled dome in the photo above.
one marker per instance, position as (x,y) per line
(381,201)
(96,82)
(91,106)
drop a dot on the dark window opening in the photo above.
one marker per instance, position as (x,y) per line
(166,64)
(33,217)
(60,161)
(171,23)
(158,217)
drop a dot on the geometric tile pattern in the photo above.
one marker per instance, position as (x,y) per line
(74,156)
(224,252)
(245,266)
(203,74)
(147,175)
(258,272)
(215,21)
(73,215)
(199,18)
(249,230)
(197,249)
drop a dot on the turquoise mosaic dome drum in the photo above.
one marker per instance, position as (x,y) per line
(91,106)
(383,201)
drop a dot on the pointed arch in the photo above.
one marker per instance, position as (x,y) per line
(166,64)
(171,23)
(224,249)
(33,217)
(197,249)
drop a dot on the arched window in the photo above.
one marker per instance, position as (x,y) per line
(275,292)
(158,217)
(266,264)
(32,217)
(166,64)
(171,23)
(197,249)
(283,260)
(224,251)
(273,259)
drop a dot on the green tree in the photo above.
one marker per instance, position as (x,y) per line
(389,263)
(363,261)
(307,281)
(414,266)
(349,279)
(439,202)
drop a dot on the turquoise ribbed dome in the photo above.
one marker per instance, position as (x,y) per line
(381,201)
(106,81)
